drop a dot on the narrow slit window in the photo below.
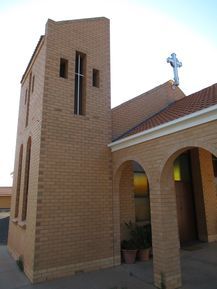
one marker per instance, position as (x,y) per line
(26,180)
(79,96)
(26,95)
(63,68)
(33,83)
(19,174)
(95,78)
(28,100)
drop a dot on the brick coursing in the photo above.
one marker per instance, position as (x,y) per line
(80,193)
(70,190)
(156,157)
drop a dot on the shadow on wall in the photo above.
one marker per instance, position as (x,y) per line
(4,224)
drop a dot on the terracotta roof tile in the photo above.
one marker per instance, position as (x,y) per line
(185,106)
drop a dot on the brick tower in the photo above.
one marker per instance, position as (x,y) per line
(61,218)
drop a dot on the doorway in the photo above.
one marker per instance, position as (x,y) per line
(186,215)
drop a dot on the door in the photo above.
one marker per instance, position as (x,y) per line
(185,198)
(185,212)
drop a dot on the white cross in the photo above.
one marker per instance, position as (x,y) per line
(175,63)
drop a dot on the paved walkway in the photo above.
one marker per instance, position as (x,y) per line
(199,269)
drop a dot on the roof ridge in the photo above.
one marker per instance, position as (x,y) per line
(195,93)
(144,120)
(79,19)
(203,89)
(187,105)
(142,94)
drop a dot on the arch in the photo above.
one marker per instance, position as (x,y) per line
(126,203)
(19,174)
(119,165)
(203,196)
(26,179)
(179,148)
(203,185)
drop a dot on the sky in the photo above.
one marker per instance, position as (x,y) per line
(143,34)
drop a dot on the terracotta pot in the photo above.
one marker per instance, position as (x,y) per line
(129,256)
(143,254)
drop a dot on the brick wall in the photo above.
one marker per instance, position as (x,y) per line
(198,195)
(156,157)
(70,189)
(127,205)
(209,193)
(74,216)
(21,241)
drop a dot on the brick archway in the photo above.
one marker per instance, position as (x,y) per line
(123,201)
(155,157)
(168,250)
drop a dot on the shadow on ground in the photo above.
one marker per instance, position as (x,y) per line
(199,271)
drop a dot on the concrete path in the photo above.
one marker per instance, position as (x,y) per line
(199,269)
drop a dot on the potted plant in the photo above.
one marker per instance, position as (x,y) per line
(129,250)
(149,236)
(142,238)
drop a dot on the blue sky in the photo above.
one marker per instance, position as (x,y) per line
(190,11)
(143,34)
(200,15)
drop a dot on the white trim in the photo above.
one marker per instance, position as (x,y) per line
(187,121)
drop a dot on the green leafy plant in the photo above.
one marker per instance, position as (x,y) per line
(128,245)
(20,264)
(141,235)
(148,233)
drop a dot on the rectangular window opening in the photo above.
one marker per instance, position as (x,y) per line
(95,78)
(28,99)
(26,180)
(79,93)
(26,95)
(63,68)
(19,174)
(33,83)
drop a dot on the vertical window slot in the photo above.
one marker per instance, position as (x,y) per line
(28,100)
(19,174)
(79,96)
(33,83)
(95,78)
(63,68)
(26,180)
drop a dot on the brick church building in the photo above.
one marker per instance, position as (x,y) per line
(77,160)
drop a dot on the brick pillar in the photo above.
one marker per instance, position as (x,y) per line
(123,206)
(198,195)
(127,205)
(166,253)
(209,193)
(116,217)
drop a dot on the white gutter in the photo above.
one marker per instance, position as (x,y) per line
(187,121)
